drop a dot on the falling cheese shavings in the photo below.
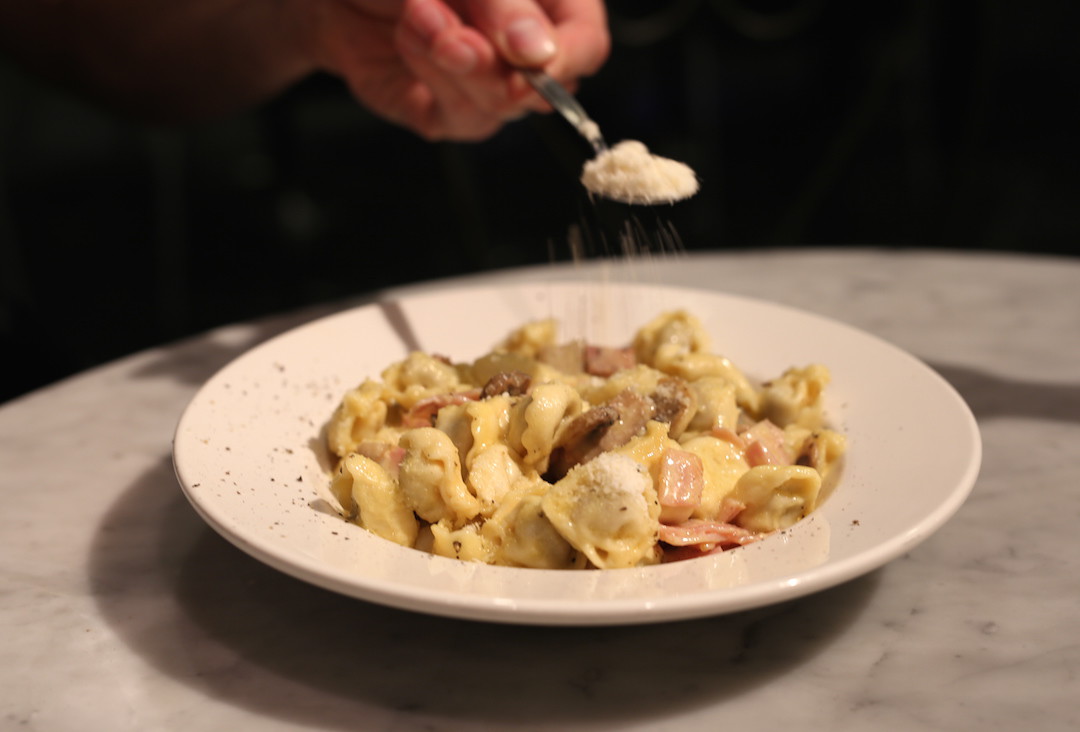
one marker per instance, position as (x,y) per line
(629,173)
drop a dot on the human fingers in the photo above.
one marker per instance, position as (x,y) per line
(443,57)
(582,36)
(519,29)
(431,27)
(569,38)
(452,54)
(352,41)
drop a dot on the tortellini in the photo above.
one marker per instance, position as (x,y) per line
(602,508)
(417,377)
(776,496)
(553,455)
(536,419)
(430,478)
(795,398)
(369,494)
(529,539)
(360,416)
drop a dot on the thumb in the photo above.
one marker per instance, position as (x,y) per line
(519,29)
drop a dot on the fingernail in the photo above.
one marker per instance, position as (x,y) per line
(529,41)
(455,57)
(427,20)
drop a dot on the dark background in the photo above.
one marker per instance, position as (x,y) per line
(839,123)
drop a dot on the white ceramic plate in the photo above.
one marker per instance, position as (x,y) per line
(249,454)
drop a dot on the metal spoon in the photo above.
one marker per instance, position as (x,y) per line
(565,104)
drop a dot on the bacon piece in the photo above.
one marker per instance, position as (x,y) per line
(706,535)
(679,483)
(423,412)
(729,509)
(514,383)
(727,435)
(605,360)
(387,455)
(765,445)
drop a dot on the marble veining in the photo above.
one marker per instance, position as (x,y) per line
(121,610)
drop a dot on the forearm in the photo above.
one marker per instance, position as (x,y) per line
(159,59)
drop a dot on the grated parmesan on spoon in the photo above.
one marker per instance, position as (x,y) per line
(629,173)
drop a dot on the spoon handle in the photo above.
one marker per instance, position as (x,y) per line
(565,104)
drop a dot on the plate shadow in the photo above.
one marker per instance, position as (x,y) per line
(209,616)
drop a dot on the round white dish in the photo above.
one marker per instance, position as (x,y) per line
(249,455)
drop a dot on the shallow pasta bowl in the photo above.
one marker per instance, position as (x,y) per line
(249,454)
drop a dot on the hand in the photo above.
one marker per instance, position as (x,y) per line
(446,68)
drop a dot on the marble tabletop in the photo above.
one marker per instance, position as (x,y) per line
(121,610)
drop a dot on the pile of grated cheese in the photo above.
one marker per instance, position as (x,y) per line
(629,173)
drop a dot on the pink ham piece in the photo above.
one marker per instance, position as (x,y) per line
(727,435)
(765,445)
(605,361)
(729,509)
(423,412)
(706,536)
(679,484)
